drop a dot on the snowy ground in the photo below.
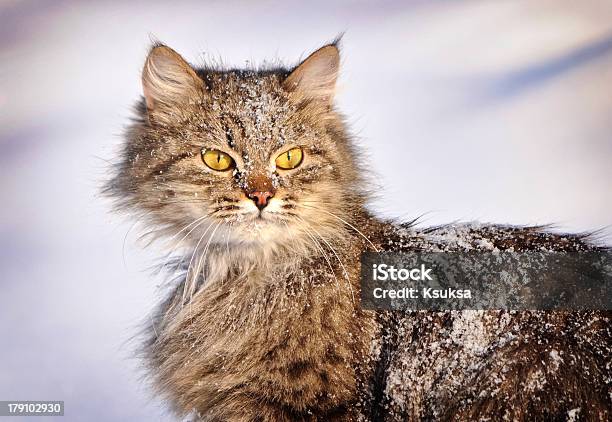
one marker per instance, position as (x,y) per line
(497,111)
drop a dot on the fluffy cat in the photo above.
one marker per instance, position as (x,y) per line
(253,177)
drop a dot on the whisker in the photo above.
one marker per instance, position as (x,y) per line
(203,259)
(201,220)
(227,233)
(325,256)
(189,276)
(139,220)
(346,275)
(345,222)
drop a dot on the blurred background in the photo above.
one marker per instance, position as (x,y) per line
(469,110)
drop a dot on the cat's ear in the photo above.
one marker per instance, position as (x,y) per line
(169,82)
(316,76)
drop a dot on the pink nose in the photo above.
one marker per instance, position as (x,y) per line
(261,199)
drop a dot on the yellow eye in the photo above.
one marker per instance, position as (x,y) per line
(290,159)
(217,160)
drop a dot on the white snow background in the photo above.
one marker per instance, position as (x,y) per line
(496,111)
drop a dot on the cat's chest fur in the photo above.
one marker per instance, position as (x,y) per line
(281,335)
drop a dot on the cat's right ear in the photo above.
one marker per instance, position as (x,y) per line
(315,77)
(169,83)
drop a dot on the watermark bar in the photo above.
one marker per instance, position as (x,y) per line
(476,280)
(31,408)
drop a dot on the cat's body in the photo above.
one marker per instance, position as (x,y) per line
(265,323)
(296,346)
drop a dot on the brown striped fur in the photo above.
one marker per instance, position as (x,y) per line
(264,323)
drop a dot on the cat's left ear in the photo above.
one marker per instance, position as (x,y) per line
(315,77)
(169,82)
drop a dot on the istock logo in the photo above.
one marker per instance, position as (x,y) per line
(384,272)
(531,280)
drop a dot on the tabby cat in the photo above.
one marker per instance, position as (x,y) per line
(252,176)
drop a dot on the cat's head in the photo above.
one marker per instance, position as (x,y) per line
(239,156)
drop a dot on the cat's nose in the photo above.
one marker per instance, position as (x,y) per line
(260,198)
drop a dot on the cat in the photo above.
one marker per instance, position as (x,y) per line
(253,176)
